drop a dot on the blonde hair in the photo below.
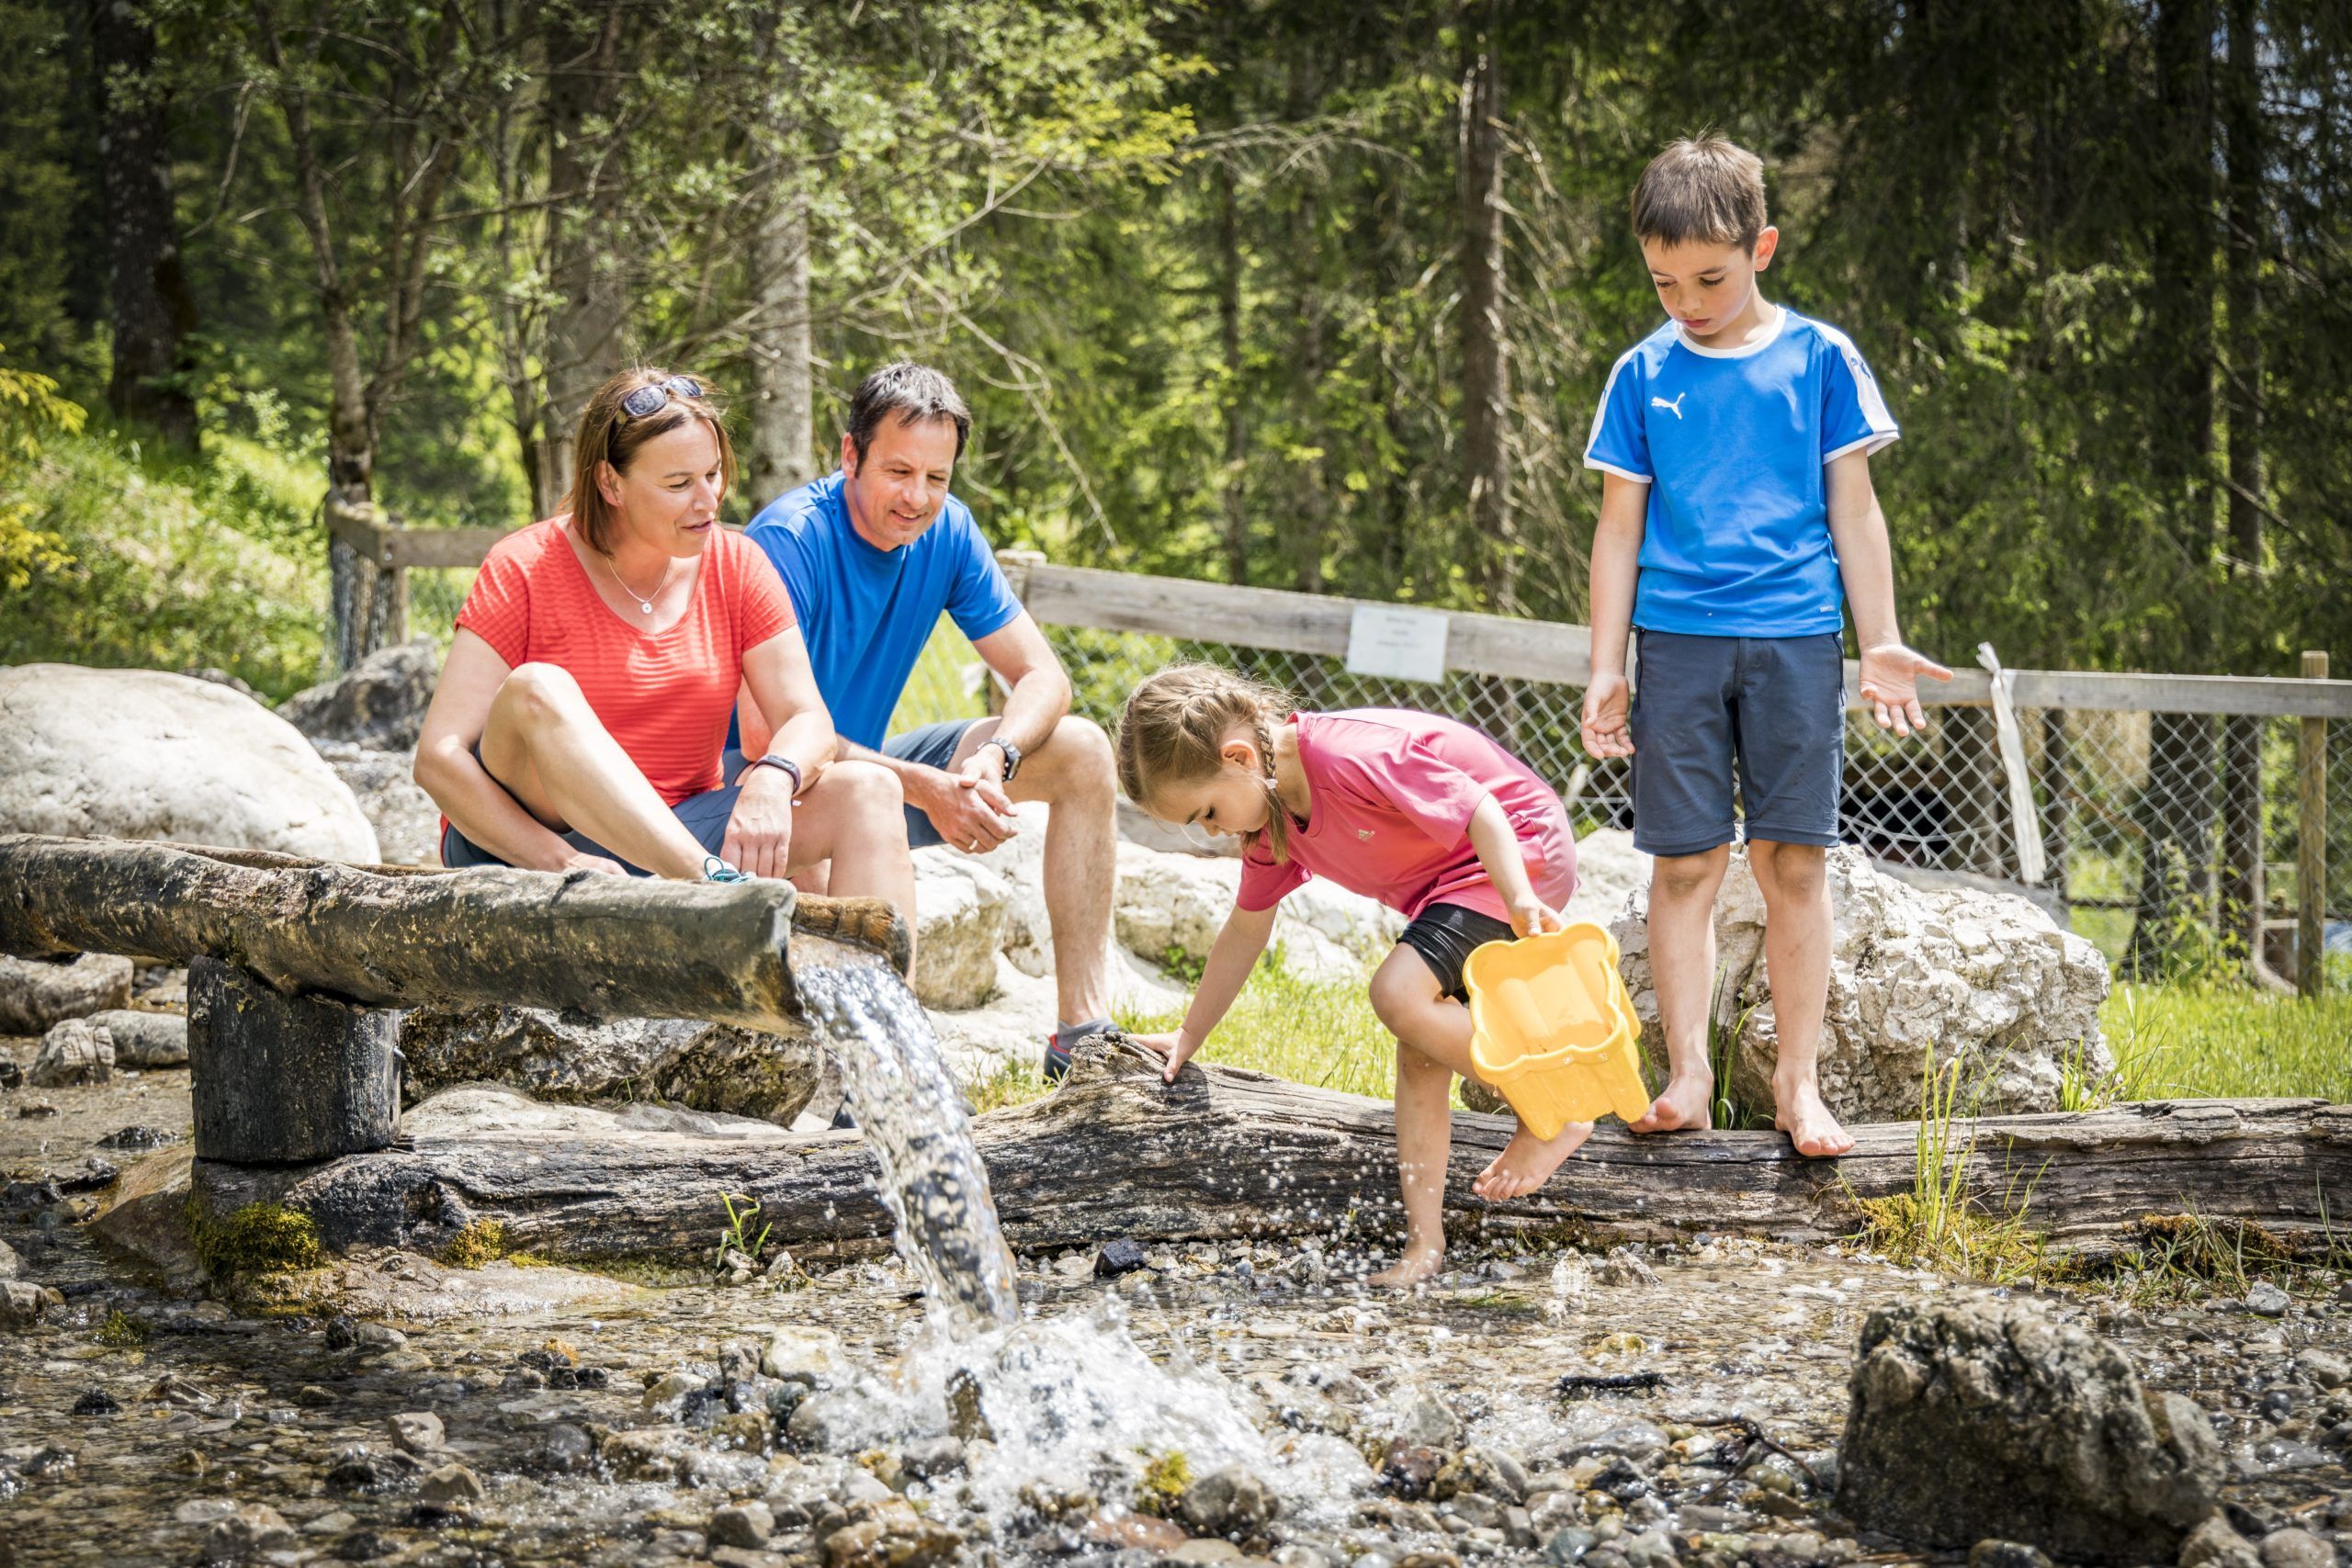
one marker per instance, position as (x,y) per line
(608,434)
(1174,727)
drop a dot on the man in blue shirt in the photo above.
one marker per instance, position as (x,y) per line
(871,556)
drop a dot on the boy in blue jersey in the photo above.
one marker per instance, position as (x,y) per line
(1734,448)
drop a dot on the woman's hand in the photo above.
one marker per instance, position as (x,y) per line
(1172,1046)
(579,860)
(1529,916)
(759,833)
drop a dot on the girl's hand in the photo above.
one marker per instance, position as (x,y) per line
(1529,916)
(1172,1046)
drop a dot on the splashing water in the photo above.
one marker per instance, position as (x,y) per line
(907,1106)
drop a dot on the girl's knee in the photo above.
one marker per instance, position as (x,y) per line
(1399,994)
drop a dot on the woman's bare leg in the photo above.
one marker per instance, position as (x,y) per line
(546,746)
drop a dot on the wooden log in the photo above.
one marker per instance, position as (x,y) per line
(279,1080)
(1225,1152)
(604,945)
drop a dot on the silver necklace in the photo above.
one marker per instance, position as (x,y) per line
(643,604)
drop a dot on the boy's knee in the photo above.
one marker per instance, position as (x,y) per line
(1790,871)
(1687,876)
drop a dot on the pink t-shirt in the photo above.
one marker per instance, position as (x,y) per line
(1393,791)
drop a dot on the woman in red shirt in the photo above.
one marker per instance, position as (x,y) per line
(582,714)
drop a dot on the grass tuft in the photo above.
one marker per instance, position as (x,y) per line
(481,1243)
(121,1331)
(260,1238)
(1162,1487)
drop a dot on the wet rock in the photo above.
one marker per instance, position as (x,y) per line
(2296,1549)
(33,1109)
(2266,1300)
(1990,1419)
(965,1418)
(1117,1258)
(830,1423)
(1641,1441)
(810,1354)
(649,1454)
(253,1528)
(559,1449)
(416,1432)
(1232,1501)
(451,1486)
(145,1039)
(1489,1472)
(1651,1549)
(365,1545)
(2325,1369)
(1204,1551)
(11,1075)
(2214,1544)
(35,995)
(747,1525)
(1135,1531)
(138,1138)
(1421,1417)
(1623,1266)
(890,1535)
(1409,1469)
(568,1058)
(23,1304)
(72,1052)
(87,1177)
(11,1266)
(362,1471)
(97,1402)
(1621,1479)
(927,1459)
(2007,1554)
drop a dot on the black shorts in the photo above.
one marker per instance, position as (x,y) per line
(1766,712)
(1445,935)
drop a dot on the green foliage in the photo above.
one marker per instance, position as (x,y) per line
(2229,1041)
(259,1238)
(120,1331)
(1162,1486)
(737,1236)
(481,1243)
(1940,1223)
(30,410)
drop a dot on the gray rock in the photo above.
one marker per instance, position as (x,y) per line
(1651,1549)
(2214,1544)
(568,1060)
(2296,1549)
(22,1304)
(1424,1420)
(145,1039)
(1569,1545)
(417,1432)
(246,1534)
(35,995)
(2007,1554)
(407,822)
(802,1352)
(2325,1369)
(1973,1420)
(452,1486)
(74,1052)
(747,1525)
(1231,1501)
(2266,1300)
(379,702)
(220,677)
(1487,1472)
(832,1423)
(143,754)
(927,1459)
(11,1266)
(1638,1441)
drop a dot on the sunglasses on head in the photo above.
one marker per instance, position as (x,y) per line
(654,398)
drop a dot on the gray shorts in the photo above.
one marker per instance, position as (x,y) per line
(1769,711)
(705,815)
(934,746)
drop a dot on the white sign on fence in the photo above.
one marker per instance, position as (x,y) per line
(1395,642)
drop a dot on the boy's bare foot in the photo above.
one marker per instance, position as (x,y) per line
(1527,1162)
(1682,1108)
(1805,1117)
(1418,1263)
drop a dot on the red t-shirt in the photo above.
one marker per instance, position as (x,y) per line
(665,696)
(1394,792)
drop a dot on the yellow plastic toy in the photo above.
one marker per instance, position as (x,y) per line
(1554,1028)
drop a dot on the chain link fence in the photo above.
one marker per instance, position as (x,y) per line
(2142,816)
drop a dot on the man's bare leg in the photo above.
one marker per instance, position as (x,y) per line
(1682,965)
(1795,884)
(1072,772)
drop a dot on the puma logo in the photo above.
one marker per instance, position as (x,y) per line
(1675,408)
(1364,832)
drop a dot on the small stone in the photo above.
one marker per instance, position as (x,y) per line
(1206,1549)
(145,1039)
(1117,1258)
(2324,1368)
(137,1138)
(96,1402)
(1620,1480)
(2007,1554)
(11,1266)
(1073,1266)
(252,1529)
(811,1354)
(34,1109)
(1651,1549)
(452,1486)
(335,1522)
(1231,1501)
(830,1423)
(1489,1471)
(416,1432)
(23,1303)
(2266,1300)
(1409,1469)
(1424,1419)
(965,1418)
(742,1524)
(2214,1544)
(561,1448)
(1139,1532)
(362,1472)
(73,1052)
(2296,1549)
(929,1458)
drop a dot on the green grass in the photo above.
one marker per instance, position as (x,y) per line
(2225,1041)
(1320,1033)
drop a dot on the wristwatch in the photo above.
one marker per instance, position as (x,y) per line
(1011,755)
(778,760)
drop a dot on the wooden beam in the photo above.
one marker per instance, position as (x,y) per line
(417,548)
(1226,1152)
(2310,856)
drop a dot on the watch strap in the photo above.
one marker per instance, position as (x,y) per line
(778,760)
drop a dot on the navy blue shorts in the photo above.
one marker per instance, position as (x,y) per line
(932,745)
(1768,712)
(705,815)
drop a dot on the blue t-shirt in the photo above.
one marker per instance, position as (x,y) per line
(1732,443)
(867,613)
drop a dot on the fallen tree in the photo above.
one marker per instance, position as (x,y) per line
(1225,1153)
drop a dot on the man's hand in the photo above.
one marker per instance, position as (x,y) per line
(1890,684)
(968,807)
(1606,731)
(1529,916)
(1172,1046)
(759,832)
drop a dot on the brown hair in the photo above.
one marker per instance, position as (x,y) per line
(1175,728)
(607,435)
(1701,188)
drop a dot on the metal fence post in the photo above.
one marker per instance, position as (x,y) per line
(2310,867)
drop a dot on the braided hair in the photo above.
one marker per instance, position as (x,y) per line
(1174,727)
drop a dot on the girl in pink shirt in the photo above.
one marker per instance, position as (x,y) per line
(1426,814)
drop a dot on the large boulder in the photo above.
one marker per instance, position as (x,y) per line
(378,704)
(1984,979)
(407,823)
(1975,1420)
(961,908)
(1168,907)
(567,1058)
(145,1039)
(143,754)
(36,994)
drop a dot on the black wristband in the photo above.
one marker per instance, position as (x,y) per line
(778,760)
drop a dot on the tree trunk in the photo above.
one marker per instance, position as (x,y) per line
(1485,362)
(1226,1152)
(1229,334)
(589,244)
(783,423)
(152,309)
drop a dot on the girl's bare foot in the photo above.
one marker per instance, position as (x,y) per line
(1527,1162)
(1682,1108)
(1418,1263)
(1804,1115)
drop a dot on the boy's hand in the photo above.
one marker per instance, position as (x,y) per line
(1529,916)
(1890,684)
(1607,708)
(1172,1046)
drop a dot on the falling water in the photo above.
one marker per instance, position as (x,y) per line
(907,1108)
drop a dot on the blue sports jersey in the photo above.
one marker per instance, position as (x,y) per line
(867,613)
(1732,443)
